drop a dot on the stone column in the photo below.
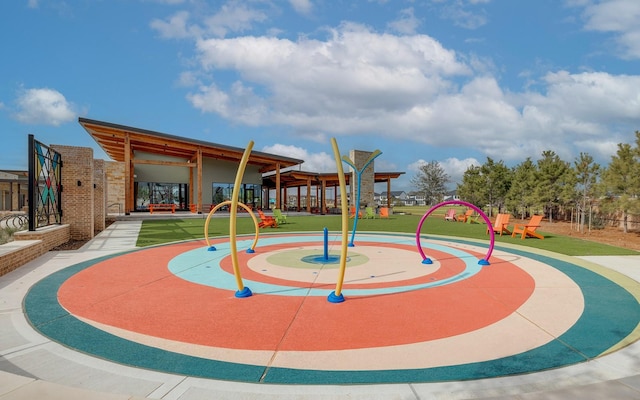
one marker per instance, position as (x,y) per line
(367,177)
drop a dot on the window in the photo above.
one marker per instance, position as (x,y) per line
(161,193)
(249,193)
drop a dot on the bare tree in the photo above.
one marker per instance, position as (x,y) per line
(587,173)
(431,181)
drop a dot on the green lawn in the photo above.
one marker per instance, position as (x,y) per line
(155,232)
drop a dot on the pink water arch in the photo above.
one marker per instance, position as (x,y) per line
(427,260)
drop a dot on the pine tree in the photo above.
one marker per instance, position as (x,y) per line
(471,189)
(552,179)
(622,182)
(497,181)
(521,194)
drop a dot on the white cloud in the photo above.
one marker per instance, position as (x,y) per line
(175,28)
(316,162)
(456,168)
(407,23)
(211,99)
(240,103)
(462,15)
(595,96)
(347,84)
(44,106)
(188,79)
(578,110)
(619,17)
(234,16)
(302,6)
(415,166)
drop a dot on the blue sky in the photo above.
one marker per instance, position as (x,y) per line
(453,81)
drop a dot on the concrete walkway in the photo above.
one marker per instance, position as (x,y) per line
(34,367)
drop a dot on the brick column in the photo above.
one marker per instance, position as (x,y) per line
(78,192)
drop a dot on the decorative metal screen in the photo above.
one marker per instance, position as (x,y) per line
(45,185)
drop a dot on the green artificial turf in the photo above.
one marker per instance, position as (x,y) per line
(155,232)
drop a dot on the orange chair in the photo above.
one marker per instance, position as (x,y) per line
(384,212)
(266,221)
(500,224)
(465,217)
(528,229)
(352,212)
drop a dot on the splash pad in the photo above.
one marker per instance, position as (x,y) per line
(175,308)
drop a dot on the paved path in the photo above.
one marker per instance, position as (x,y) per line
(34,367)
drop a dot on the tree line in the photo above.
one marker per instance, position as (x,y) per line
(581,190)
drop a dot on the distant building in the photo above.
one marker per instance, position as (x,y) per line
(416,199)
(451,195)
(14,190)
(392,197)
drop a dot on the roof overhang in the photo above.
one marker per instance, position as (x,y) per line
(293,178)
(8,176)
(111,138)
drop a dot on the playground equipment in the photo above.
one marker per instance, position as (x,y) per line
(359,182)
(427,260)
(336,296)
(242,291)
(226,203)
(325,258)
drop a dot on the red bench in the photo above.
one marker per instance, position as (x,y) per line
(162,207)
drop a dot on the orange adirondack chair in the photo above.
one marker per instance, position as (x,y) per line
(465,217)
(384,212)
(528,229)
(266,221)
(352,212)
(450,215)
(500,224)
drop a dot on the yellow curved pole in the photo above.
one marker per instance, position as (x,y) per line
(234,213)
(345,222)
(228,202)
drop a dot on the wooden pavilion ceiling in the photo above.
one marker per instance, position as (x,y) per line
(111,138)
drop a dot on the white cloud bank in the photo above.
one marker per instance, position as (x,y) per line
(348,84)
(43,106)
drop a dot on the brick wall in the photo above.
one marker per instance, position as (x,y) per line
(78,191)
(28,246)
(84,207)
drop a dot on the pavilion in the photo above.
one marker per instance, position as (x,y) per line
(160,168)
